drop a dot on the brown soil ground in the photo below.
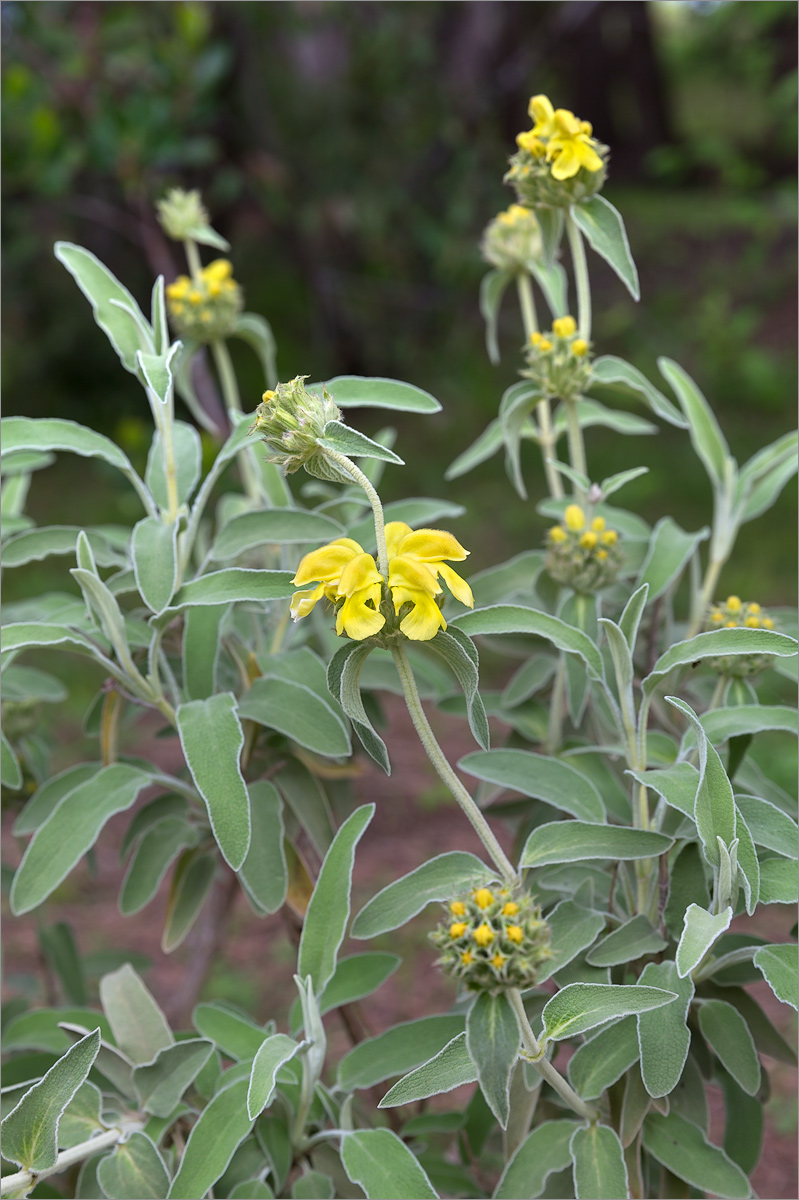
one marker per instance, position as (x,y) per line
(415,819)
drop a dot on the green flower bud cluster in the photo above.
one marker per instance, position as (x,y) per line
(205,308)
(290,419)
(493,940)
(585,558)
(512,241)
(536,187)
(735,613)
(182,214)
(559,361)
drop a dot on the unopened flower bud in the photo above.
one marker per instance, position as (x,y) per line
(498,943)
(512,241)
(290,419)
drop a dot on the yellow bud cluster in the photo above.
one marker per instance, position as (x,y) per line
(583,554)
(205,308)
(734,613)
(498,939)
(558,162)
(558,360)
(512,241)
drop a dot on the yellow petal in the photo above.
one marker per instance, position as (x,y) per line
(356,618)
(303,602)
(459,587)
(360,572)
(395,532)
(588,157)
(327,562)
(567,162)
(424,620)
(541,111)
(431,545)
(566,122)
(405,572)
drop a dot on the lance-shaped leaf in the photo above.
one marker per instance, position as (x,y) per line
(482,448)
(779,967)
(450,1068)
(683,1149)
(714,808)
(191,883)
(11,770)
(545,1150)
(440,878)
(115,309)
(716,643)
(700,931)
(71,829)
(778,882)
(726,1032)
(574,841)
(599,1062)
(629,941)
(581,1006)
(600,1172)
(187,454)
(135,1171)
(492,1039)
(139,1027)
(351,442)
(512,618)
(235,584)
(721,724)
(356,976)
(256,331)
(397,1050)
(272,1054)
(460,653)
(201,645)
(572,929)
(343,681)
(35,545)
(492,289)
(708,440)
(548,779)
(669,551)
(384,1167)
(298,712)
(155,561)
(212,738)
(604,229)
(30,1131)
(151,860)
(769,825)
(362,391)
(329,909)
(264,873)
(615,372)
(663,1035)
(82,1118)
(743,1125)
(236,1034)
(761,480)
(221,1128)
(161,1083)
(272,526)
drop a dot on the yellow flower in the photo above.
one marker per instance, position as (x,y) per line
(768,623)
(610,537)
(541,111)
(753,609)
(544,345)
(569,143)
(598,524)
(752,622)
(343,571)
(510,909)
(466,957)
(457,908)
(580,347)
(588,540)
(515,933)
(731,625)
(602,555)
(498,960)
(734,603)
(574,518)
(717,616)
(564,326)
(457,929)
(532,144)
(483,897)
(536,338)
(415,561)
(557,534)
(483,934)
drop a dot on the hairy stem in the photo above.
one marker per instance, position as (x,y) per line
(580,278)
(22,1181)
(357,474)
(544,1067)
(542,410)
(232,400)
(576,446)
(443,768)
(193,258)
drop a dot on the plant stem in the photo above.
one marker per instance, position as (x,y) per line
(705,596)
(232,400)
(542,1064)
(193,258)
(542,410)
(23,1181)
(576,446)
(445,771)
(580,278)
(555,725)
(377,508)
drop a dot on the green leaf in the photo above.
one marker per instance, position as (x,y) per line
(700,931)
(30,1131)
(614,483)
(492,1039)
(512,618)
(440,878)
(26,461)
(139,1027)
(629,941)
(187,453)
(743,1126)
(600,1172)
(604,229)
(778,882)
(719,642)
(298,712)
(11,772)
(543,1151)
(356,976)
(182,365)
(236,1034)
(343,681)
(81,1118)
(70,830)
(572,928)
(155,561)
(573,841)
(598,1063)
(34,545)
(415,511)
(236,584)
(254,1189)
(135,1171)
(161,1083)
(492,289)
(779,967)
(685,1151)
(256,331)
(211,737)
(591,413)
(481,449)
(151,860)
(201,645)
(23,635)
(272,1054)
(354,444)
(727,1033)
(264,873)
(460,653)
(610,370)
(450,1068)
(329,908)
(663,1035)
(765,490)
(721,724)
(115,309)
(551,222)
(397,1051)
(222,1126)
(357,391)
(551,278)
(677,784)
(706,436)
(714,809)
(308,801)
(29,683)
(191,883)
(581,1006)
(384,1167)
(669,551)
(272,527)
(548,779)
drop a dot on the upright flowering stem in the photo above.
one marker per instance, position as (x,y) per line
(544,1066)
(232,400)
(576,447)
(542,410)
(357,474)
(445,771)
(580,277)
(193,257)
